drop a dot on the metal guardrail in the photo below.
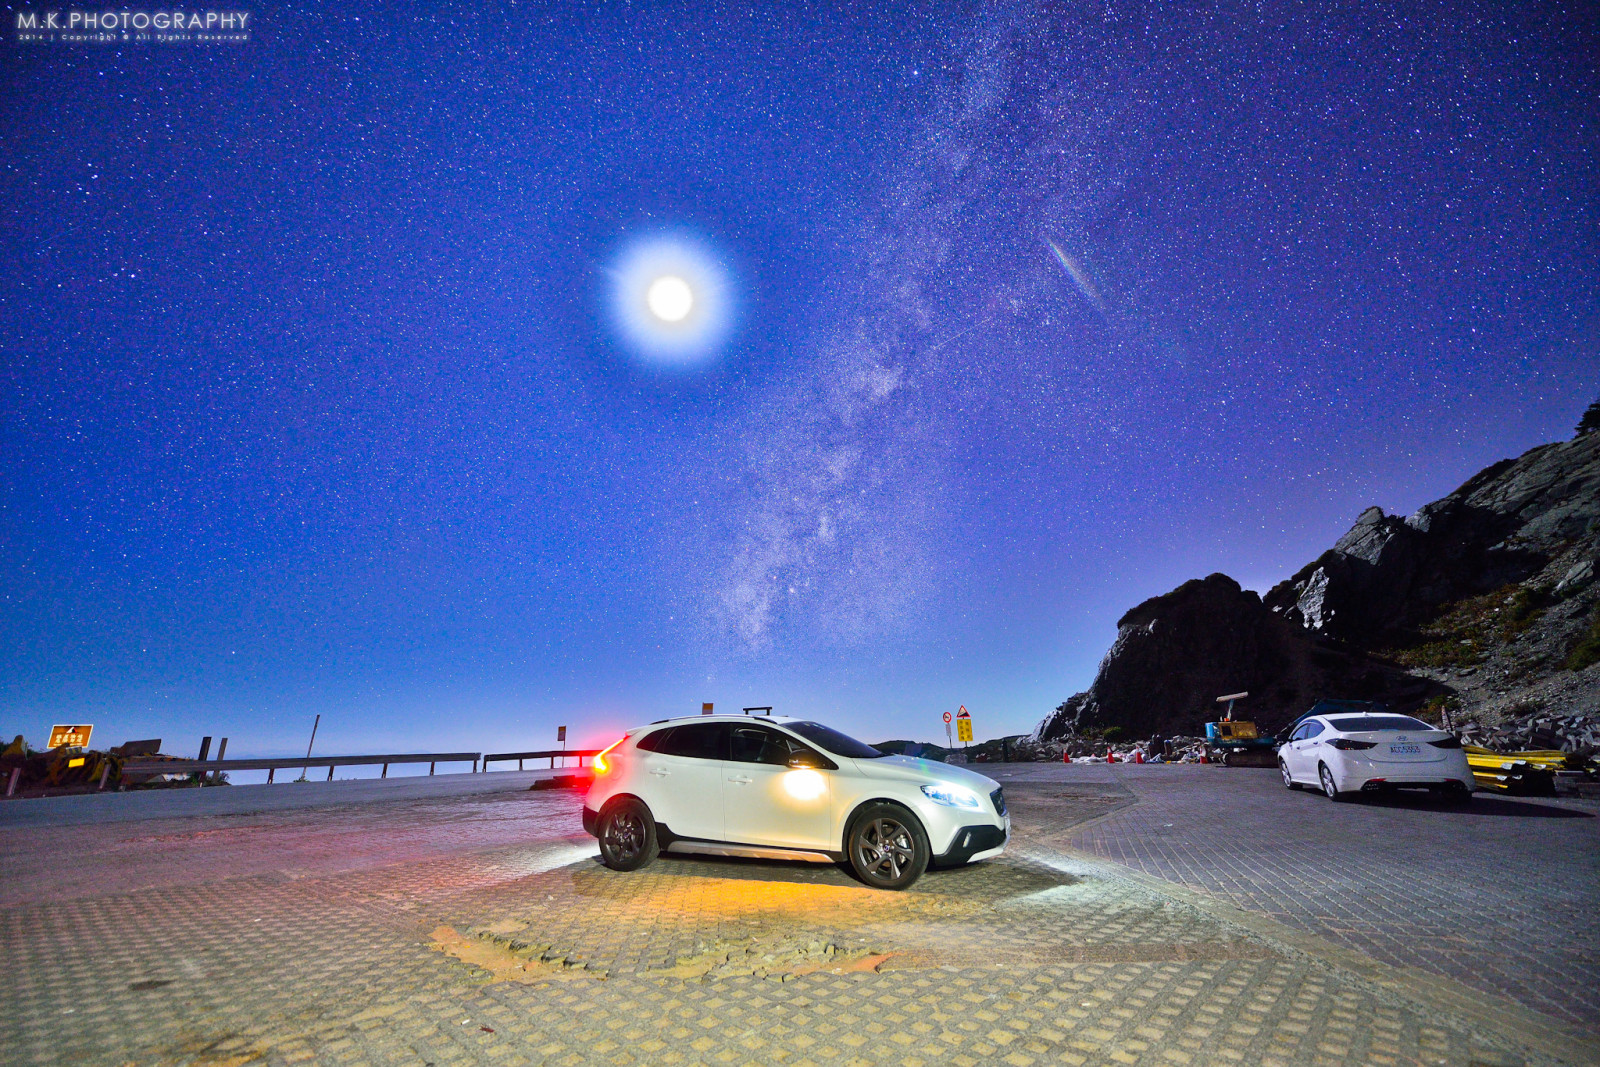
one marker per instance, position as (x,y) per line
(202,767)
(552,754)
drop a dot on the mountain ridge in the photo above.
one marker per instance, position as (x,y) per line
(1476,606)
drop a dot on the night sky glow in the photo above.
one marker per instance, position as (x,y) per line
(335,375)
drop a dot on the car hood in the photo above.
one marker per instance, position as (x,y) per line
(907,769)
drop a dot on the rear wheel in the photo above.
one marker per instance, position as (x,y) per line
(1329,788)
(1456,793)
(1288,779)
(887,847)
(627,835)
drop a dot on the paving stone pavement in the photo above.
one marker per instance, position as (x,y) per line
(1503,896)
(423,932)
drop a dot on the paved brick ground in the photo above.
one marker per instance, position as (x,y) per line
(1502,895)
(435,930)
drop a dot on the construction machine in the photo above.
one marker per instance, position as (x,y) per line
(1236,742)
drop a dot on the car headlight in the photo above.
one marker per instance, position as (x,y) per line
(953,796)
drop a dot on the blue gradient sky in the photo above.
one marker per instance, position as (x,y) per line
(311,399)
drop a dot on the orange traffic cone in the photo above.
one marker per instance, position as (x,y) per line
(1138,755)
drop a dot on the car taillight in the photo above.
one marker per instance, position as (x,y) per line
(603,765)
(1446,742)
(1347,744)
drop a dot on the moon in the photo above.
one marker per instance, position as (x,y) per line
(670,298)
(670,301)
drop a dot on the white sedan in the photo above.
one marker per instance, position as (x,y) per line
(784,788)
(1345,753)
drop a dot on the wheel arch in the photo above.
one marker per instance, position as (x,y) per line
(861,805)
(664,833)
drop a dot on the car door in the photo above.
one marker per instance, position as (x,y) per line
(1305,752)
(765,802)
(1291,751)
(683,780)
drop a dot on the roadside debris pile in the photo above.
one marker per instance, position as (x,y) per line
(1577,733)
(27,771)
(1097,749)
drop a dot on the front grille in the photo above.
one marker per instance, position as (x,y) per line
(999,799)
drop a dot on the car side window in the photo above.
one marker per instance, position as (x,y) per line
(1313,729)
(1299,733)
(757,744)
(701,740)
(652,742)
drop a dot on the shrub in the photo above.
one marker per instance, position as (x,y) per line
(1590,423)
(1587,651)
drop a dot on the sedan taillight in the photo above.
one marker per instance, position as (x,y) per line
(1447,742)
(1346,744)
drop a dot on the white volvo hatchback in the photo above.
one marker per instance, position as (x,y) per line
(786,788)
(1342,754)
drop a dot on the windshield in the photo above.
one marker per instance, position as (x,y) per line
(1357,724)
(830,740)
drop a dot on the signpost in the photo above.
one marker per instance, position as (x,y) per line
(963,726)
(947,742)
(561,735)
(75,736)
(705,708)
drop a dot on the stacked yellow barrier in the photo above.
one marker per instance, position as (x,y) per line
(1515,772)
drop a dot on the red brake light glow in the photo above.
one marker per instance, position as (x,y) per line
(601,764)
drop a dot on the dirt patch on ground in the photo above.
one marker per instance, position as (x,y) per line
(781,957)
(501,958)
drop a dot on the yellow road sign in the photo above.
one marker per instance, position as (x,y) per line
(964,728)
(76,736)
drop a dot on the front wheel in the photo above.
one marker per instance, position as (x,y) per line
(887,847)
(1288,779)
(1329,788)
(627,836)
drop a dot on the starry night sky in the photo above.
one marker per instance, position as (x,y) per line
(312,398)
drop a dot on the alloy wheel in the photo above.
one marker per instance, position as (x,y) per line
(885,848)
(1328,786)
(624,836)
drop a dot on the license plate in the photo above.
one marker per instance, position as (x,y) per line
(1405,750)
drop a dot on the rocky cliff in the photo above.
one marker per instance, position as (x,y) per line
(1481,605)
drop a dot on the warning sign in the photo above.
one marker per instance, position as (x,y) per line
(76,736)
(963,725)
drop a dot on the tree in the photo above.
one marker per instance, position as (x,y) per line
(1590,423)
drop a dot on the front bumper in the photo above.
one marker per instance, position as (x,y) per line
(972,842)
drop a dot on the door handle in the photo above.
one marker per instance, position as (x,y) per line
(741,779)
(660,772)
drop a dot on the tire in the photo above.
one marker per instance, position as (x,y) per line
(1457,794)
(887,846)
(1288,779)
(1329,789)
(627,835)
